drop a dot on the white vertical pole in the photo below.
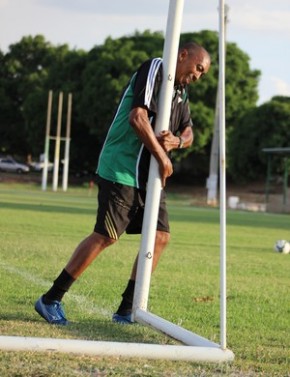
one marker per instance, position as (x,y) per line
(57,144)
(222,175)
(212,181)
(67,144)
(146,251)
(46,143)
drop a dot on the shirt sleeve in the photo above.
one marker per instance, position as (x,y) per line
(180,114)
(185,117)
(147,85)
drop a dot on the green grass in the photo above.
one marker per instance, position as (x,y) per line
(39,231)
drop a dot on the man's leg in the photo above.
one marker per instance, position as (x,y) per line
(161,241)
(123,314)
(49,306)
(86,252)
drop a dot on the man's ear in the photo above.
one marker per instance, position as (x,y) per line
(182,55)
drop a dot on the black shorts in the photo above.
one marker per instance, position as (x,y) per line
(121,208)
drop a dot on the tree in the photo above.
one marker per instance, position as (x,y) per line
(241,95)
(63,76)
(267,126)
(24,69)
(108,69)
(96,78)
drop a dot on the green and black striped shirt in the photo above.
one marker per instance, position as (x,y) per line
(124,159)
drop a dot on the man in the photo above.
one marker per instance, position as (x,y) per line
(123,171)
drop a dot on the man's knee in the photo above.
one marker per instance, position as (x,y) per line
(101,240)
(162,238)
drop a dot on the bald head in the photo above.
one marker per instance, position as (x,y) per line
(193,48)
(193,61)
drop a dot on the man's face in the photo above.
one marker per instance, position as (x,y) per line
(191,66)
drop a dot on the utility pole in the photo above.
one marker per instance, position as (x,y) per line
(212,180)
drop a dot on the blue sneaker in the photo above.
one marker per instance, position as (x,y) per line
(122,319)
(52,313)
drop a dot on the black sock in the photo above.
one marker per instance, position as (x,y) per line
(126,304)
(60,286)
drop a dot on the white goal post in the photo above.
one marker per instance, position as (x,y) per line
(195,348)
(146,253)
(57,140)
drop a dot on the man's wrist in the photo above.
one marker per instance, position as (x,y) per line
(181,142)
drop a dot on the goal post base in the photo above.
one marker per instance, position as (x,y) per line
(116,349)
(170,329)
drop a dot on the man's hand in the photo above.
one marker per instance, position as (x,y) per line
(165,169)
(168,141)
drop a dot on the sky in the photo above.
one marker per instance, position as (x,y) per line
(261,28)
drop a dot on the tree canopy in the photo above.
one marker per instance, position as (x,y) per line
(266,126)
(96,79)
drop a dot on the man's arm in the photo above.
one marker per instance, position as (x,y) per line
(138,119)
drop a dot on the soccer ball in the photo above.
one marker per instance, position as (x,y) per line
(282,246)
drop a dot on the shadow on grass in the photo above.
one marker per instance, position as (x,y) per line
(190,214)
(88,329)
(107,331)
(47,208)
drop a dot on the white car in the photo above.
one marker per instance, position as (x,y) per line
(38,166)
(8,164)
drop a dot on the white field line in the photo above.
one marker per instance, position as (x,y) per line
(78,299)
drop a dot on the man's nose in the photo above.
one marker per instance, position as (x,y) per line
(196,76)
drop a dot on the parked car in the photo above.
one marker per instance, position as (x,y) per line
(38,166)
(8,164)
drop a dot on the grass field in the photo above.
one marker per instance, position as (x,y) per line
(38,234)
